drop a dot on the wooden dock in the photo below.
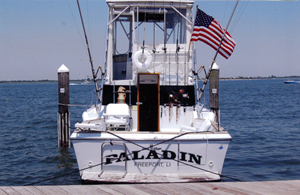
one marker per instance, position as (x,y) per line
(253,188)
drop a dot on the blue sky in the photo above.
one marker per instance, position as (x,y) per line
(37,36)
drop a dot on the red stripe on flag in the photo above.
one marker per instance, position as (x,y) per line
(203,33)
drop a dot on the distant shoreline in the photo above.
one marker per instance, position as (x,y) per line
(222,79)
(38,81)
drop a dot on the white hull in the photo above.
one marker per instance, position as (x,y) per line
(190,157)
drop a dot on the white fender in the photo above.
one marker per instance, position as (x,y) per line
(137,59)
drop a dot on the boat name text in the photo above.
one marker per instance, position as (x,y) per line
(152,154)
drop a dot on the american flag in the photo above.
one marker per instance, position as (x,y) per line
(209,31)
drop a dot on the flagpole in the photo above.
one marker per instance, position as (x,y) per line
(215,57)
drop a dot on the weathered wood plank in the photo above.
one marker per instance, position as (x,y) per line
(248,188)
(181,188)
(162,188)
(106,189)
(2,192)
(226,189)
(205,189)
(149,189)
(123,189)
(51,190)
(267,187)
(96,189)
(76,189)
(243,188)
(134,190)
(21,190)
(8,190)
(236,188)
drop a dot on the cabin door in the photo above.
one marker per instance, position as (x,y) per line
(148,102)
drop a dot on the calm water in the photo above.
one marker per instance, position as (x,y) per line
(262,116)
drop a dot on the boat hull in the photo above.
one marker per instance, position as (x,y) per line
(129,157)
(292,82)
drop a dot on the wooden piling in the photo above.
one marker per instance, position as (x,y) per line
(63,123)
(214,90)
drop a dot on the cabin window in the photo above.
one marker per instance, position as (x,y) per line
(151,27)
(122,32)
(122,48)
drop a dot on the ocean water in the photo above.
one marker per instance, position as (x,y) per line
(262,116)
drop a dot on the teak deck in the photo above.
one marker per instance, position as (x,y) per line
(266,187)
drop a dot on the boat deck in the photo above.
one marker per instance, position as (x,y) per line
(96,127)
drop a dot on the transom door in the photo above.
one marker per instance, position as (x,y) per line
(148,102)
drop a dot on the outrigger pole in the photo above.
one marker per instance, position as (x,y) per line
(215,57)
(90,56)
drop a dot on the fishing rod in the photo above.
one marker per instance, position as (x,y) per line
(215,57)
(144,34)
(90,56)
(177,48)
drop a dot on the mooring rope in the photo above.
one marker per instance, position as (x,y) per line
(73,105)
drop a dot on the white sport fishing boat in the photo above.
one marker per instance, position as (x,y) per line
(149,125)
